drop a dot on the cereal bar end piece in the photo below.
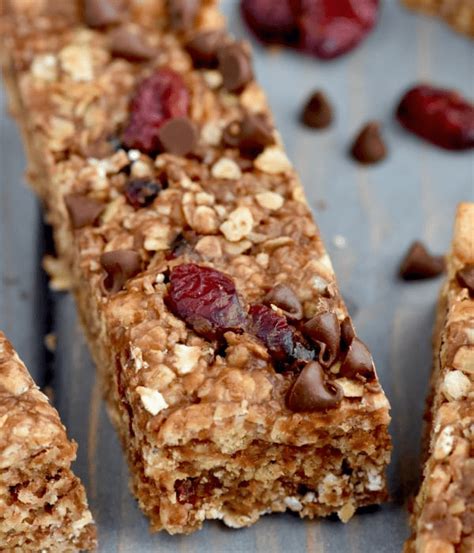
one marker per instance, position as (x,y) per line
(44,506)
(443,510)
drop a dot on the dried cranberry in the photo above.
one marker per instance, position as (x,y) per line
(157,99)
(206,300)
(186,490)
(141,192)
(329,28)
(440,116)
(281,340)
(324,28)
(271,21)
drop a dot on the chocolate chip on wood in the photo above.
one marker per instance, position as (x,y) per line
(419,263)
(317,112)
(198,282)
(369,146)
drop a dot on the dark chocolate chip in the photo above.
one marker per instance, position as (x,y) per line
(231,134)
(182,14)
(178,136)
(358,362)
(141,192)
(203,48)
(100,13)
(183,245)
(83,211)
(235,67)
(369,146)
(255,134)
(311,391)
(285,298)
(419,263)
(324,330)
(251,135)
(347,333)
(120,265)
(465,277)
(126,44)
(317,112)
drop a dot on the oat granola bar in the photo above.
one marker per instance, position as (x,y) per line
(457,13)
(229,364)
(43,505)
(443,515)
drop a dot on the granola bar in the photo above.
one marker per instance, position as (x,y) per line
(229,364)
(457,13)
(443,515)
(43,505)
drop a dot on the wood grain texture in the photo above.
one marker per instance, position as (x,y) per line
(379,210)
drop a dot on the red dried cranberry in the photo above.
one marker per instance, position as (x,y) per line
(271,21)
(206,300)
(440,116)
(329,28)
(186,490)
(324,28)
(141,192)
(281,340)
(157,99)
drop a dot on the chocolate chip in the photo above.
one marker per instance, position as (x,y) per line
(231,134)
(251,135)
(311,392)
(285,298)
(465,277)
(324,330)
(120,265)
(317,112)
(126,44)
(141,192)
(347,333)
(255,135)
(419,263)
(178,136)
(183,245)
(100,13)
(358,362)
(182,14)
(235,67)
(369,146)
(203,48)
(83,211)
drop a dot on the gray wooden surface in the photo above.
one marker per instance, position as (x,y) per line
(378,211)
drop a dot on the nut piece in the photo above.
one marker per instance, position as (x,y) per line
(152,400)
(464,359)
(76,60)
(226,168)
(273,161)
(186,358)
(45,67)
(269,200)
(444,443)
(456,385)
(238,225)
